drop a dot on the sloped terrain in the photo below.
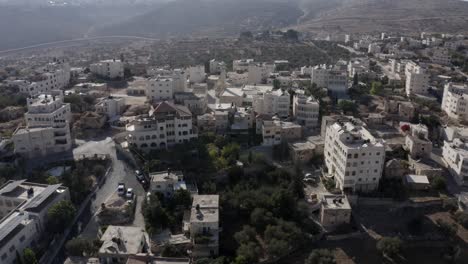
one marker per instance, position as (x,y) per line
(385,15)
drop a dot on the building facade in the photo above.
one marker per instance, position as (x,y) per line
(110,69)
(306,112)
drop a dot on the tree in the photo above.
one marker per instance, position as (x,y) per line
(355,79)
(348,106)
(260,218)
(389,246)
(276,84)
(78,246)
(438,183)
(182,198)
(462,218)
(292,35)
(60,215)
(51,180)
(447,229)
(29,256)
(321,256)
(376,88)
(246,235)
(249,251)
(246,35)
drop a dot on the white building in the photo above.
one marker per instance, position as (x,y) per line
(338,81)
(196,103)
(335,210)
(273,103)
(417,79)
(179,78)
(306,111)
(167,182)
(374,48)
(259,72)
(196,74)
(353,157)
(455,155)
(54,76)
(111,106)
(275,131)
(23,215)
(166,125)
(358,66)
(319,76)
(204,225)
(307,70)
(110,69)
(47,131)
(454,101)
(242,65)
(440,55)
(160,89)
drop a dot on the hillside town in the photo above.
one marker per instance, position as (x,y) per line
(273,147)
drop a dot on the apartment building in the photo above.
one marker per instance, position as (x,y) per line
(242,65)
(23,215)
(47,128)
(374,48)
(455,154)
(259,72)
(196,74)
(440,55)
(166,125)
(53,76)
(319,76)
(160,89)
(353,156)
(306,112)
(359,66)
(275,102)
(275,131)
(179,77)
(197,104)
(454,101)
(110,106)
(167,182)
(204,225)
(417,79)
(417,142)
(206,122)
(110,69)
(304,151)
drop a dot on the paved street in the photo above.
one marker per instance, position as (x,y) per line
(120,172)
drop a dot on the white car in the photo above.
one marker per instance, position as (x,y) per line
(129,193)
(121,189)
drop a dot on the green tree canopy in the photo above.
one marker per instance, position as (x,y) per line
(389,246)
(321,256)
(60,215)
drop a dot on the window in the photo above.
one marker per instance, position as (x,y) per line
(378,153)
(22,238)
(12,248)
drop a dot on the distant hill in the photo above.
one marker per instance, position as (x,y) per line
(384,15)
(208,18)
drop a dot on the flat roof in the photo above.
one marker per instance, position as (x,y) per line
(339,202)
(419,179)
(122,239)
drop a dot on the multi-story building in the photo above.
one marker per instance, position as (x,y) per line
(196,74)
(319,76)
(454,101)
(259,72)
(337,82)
(354,157)
(47,130)
(111,106)
(196,103)
(273,103)
(167,182)
(335,210)
(306,111)
(166,125)
(54,76)
(204,225)
(207,122)
(179,78)
(275,131)
(358,66)
(417,79)
(374,48)
(242,65)
(110,69)
(455,154)
(160,89)
(23,215)
(440,55)
(417,142)
(304,151)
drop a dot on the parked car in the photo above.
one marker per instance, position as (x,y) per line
(139,175)
(129,193)
(121,189)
